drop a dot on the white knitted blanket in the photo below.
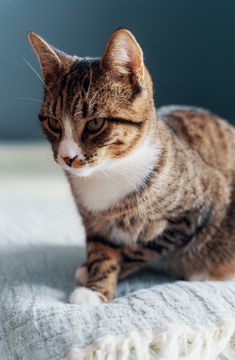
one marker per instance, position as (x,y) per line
(41,242)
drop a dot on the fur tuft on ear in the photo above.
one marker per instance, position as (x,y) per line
(49,58)
(123,55)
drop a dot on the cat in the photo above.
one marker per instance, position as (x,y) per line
(148,184)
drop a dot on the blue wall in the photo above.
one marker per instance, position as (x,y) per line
(189,47)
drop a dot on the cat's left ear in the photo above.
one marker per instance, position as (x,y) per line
(50,58)
(123,55)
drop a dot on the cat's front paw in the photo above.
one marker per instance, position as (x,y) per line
(85,296)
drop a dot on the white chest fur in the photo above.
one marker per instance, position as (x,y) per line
(116,179)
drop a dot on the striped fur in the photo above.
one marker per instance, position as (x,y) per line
(147,184)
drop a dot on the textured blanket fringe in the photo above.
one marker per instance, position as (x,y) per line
(179,343)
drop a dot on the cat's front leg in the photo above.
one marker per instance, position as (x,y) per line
(101,273)
(132,259)
(81,274)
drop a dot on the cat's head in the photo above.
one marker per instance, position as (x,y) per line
(96,112)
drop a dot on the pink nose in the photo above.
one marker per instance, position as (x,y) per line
(68,161)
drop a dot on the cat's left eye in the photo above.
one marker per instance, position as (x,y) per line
(54,125)
(95,125)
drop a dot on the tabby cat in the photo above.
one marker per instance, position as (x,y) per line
(147,184)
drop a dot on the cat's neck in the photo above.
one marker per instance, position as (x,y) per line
(103,189)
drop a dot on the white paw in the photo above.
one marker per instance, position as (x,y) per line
(84,296)
(81,275)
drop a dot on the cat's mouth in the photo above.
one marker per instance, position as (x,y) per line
(77,168)
(80,168)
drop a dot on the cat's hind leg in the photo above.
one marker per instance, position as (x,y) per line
(221,272)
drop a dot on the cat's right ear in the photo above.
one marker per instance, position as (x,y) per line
(123,55)
(49,58)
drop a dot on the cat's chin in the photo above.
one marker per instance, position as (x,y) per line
(79,172)
(86,171)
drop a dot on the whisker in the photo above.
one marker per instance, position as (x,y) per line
(107,175)
(79,112)
(28,98)
(112,173)
(37,74)
(125,176)
(132,179)
(37,136)
(45,161)
(94,96)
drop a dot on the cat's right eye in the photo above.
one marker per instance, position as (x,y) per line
(54,125)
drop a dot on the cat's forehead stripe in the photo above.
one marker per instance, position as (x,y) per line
(85,109)
(95,107)
(62,87)
(74,85)
(77,75)
(75,105)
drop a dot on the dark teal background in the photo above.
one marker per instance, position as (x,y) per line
(189,47)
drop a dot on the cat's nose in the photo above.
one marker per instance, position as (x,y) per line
(68,160)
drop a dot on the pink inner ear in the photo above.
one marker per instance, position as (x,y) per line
(123,54)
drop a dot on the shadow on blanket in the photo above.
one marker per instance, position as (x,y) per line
(53,267)
(36,321)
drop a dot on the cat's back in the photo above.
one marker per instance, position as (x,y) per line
(212,137)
